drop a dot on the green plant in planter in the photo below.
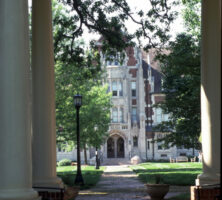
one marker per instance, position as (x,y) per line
(158,179)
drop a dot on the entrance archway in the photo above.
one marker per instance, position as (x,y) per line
(120,148)
(110,148)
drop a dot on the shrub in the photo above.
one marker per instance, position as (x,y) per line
(64,162)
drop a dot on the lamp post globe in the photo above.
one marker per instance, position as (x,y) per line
(78,103)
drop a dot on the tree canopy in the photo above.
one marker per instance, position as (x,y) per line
(181,85)
(108,18)
(78,72)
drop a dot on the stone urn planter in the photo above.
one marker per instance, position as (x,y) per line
(71,192)
(157,191)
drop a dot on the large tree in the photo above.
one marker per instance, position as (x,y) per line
(181,85)
(181,82)
(79,72)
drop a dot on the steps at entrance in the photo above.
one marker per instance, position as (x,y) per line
(115,161)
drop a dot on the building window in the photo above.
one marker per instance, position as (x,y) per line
(135,141)
(158,115)
(133,114)
(116,62)
(113,60)
(114,88)
(133,88)
(115,115)
(121,115)
(159,146)
(165,117)
(120,89)
(117,88)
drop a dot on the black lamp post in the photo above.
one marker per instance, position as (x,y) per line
(97,161)
(78,103)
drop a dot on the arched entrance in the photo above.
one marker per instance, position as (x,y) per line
(120,148)
(110,148)
(115,147)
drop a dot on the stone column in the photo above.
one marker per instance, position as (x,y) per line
(15,119)
(44,126)
(211,92)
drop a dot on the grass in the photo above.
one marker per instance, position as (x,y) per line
(171,173)
(90,175)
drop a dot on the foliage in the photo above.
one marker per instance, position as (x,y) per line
(191,16)
(181,85)
(90,175)
(64,162)
(171,173)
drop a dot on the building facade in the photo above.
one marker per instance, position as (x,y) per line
(33,148)
(135,85)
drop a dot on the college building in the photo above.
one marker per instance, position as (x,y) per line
(135,85)
(27,117)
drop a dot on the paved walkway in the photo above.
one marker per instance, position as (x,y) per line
(121,183)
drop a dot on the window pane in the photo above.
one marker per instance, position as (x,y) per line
(114,93)
(133,85)
(135,141)
(121,115)
(133,93)
(120,89)
(133,88)
(114,85)
(114,88)
(114,115)
(158,115)
(133,114)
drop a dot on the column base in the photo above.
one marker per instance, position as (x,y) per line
(207,179)
(205,192)
(19,194)
(49,182)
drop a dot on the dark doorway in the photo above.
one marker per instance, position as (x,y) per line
(120,148)
(110,148)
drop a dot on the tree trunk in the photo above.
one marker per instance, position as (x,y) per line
(85,155)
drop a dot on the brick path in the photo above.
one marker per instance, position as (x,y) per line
(121,183)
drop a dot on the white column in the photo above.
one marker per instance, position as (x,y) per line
(211,92)
(44,132)
(15,123)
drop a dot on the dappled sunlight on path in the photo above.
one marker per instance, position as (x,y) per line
(117,182)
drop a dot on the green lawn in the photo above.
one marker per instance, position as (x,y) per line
(90,175)
(170,173)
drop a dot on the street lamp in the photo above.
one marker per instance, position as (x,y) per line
(97,160)
(78,102)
